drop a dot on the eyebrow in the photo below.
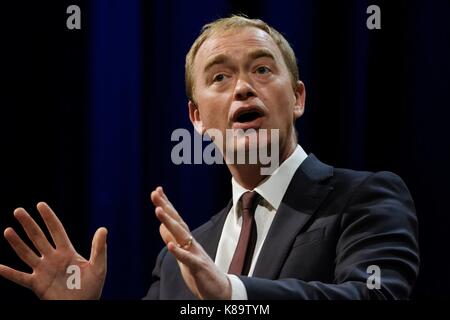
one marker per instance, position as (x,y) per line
(219,59)
(261,53)
(253,55)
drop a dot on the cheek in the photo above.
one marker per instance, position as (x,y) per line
(214,110)
(280,100)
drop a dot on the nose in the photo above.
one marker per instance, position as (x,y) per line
(243,90)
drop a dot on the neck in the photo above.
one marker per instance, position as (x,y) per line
(249,175)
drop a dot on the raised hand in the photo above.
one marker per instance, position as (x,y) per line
(199,272)
(49,279)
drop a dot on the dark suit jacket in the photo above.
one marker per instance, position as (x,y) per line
(331,225)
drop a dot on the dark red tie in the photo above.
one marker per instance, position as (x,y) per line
(242,258)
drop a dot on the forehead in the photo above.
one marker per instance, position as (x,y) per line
(236,43)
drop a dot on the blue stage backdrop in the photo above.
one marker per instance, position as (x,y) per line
(87,116)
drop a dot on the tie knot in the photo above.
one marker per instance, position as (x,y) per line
(248,199)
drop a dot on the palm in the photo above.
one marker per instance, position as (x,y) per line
(50,278)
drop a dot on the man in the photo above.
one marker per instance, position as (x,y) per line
(307,231)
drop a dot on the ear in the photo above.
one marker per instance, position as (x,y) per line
(300,98)
(194,116)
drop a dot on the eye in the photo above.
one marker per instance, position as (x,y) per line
(219,77)
(262,70)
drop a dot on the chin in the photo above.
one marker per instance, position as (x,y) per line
(250,146)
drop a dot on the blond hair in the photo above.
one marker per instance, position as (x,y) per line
(232,23)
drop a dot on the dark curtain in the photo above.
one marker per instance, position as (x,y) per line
(87,116)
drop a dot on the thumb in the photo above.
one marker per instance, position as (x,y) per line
(98,250)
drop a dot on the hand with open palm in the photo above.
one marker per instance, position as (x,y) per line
(49,279)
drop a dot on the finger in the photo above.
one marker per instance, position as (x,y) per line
(99,248)
(159,199)
(22,250)
(161,191)
(183,256)
(33,231)
(166,200)
(21,278)
(180,234)
(173,212)
(165,234)
(54,225)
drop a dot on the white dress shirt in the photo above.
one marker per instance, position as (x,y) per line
(271,190)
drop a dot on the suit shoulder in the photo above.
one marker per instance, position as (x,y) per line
(353,178)
(348,183)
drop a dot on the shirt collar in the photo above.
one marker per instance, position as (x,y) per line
(274,187)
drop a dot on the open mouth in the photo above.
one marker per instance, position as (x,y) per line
(247,115)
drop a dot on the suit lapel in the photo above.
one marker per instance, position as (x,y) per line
(302,199)
(209,237)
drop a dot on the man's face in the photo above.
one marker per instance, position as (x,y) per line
(240,82)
